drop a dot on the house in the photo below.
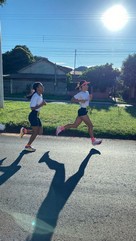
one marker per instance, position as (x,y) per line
(53,77)
(76,75)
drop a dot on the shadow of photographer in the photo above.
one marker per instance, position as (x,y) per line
(59,192)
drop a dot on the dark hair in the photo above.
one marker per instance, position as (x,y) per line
(35,85)
(34,89)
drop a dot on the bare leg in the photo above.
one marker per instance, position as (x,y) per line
(35,132)
(88,122)
(28,131)
(75,124)
(40,130)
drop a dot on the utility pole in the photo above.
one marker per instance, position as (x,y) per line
(75,62)
(1,76)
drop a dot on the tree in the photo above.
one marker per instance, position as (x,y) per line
(129,75)
(16,59)
(101,77)
(2,2)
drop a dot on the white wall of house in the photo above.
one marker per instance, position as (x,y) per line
(14,86)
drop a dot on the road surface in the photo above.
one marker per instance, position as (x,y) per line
(67,191)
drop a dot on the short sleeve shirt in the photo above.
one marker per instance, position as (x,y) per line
(83,95)
(36,100)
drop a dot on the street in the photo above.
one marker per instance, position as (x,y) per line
(67,190)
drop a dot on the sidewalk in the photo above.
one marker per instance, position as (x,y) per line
(92,103)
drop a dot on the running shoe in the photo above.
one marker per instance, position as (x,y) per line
(96,142)
(22,132)
(29,148)
(58,130)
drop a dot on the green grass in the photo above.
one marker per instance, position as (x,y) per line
(109,121)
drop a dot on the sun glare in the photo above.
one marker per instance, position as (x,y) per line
(115,18)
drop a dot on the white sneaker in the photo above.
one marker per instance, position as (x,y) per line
(29,148)
(58,130)
(96,142)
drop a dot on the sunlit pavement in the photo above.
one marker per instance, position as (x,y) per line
(98,203)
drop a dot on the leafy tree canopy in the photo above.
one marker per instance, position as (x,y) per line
(2,2)
(129,71)
(102,76)
(16,59)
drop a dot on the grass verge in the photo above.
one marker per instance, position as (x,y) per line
(109,121)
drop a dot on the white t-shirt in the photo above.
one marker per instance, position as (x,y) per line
(36,100)
(83,95)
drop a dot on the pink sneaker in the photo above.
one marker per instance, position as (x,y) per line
(96,142)
(59,129)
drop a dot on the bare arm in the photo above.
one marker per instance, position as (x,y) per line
(38,106)
(77,100)
(73,100)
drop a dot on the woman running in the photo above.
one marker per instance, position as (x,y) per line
(83,98)
(35,104)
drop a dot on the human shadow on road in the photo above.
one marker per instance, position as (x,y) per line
(59,192)
(9,171)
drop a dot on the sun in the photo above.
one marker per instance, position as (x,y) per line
(115,18)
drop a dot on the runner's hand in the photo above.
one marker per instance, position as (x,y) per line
(82,101)
(44,102)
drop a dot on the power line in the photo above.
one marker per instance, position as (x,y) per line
(58,16)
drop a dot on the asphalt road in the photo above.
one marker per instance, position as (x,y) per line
(67,191)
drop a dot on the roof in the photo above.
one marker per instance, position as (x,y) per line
(61,68)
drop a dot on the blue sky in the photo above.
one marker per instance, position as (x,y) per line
(55,28)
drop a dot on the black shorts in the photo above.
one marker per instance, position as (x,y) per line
(82,111)
(34,118)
